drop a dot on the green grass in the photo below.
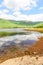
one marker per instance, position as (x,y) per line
(19,24)
(2,34)
(6,24)
(40,25)
(10,24)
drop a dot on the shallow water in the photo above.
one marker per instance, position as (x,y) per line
(12,30)
(29,38)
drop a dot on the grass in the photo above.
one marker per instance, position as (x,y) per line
(6,24)
(40,25)
(19,24)
(31,26)
(35,29)
(2,34)
(10,24)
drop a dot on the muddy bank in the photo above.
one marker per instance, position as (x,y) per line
(37,49)
(14,51)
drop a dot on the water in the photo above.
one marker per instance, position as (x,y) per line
(29,38)
(12,30)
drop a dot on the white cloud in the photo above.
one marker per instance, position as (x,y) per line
(0,5)
(41,8)
(5,11)
(0,12)
(3,15)
(36,17)
(18,4)
(20,16)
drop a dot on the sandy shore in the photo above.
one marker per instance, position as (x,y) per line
(25,60)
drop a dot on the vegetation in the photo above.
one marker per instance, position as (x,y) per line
(2,34)
(35,29)
(32,26)
(19,24)
(40,25)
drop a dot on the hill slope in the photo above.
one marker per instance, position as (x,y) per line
(20,24)
(6,24)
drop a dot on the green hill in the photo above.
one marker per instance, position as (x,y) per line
(6,24)
(40,25)
(20,24)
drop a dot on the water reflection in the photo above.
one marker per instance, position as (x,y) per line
(22,40)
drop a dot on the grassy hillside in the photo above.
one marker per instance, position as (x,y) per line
(20,24)
(6,24)
(13,24)
(39,25)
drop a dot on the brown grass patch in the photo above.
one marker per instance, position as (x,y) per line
(35,29)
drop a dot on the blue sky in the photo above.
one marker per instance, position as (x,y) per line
(22,9)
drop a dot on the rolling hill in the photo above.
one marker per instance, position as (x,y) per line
(19,24)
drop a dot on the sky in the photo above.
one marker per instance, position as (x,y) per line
(29,10)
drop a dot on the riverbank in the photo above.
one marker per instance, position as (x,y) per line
(37,49)
(24,60)
(34,29)
(17,51)
(14,31)
(4,34)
